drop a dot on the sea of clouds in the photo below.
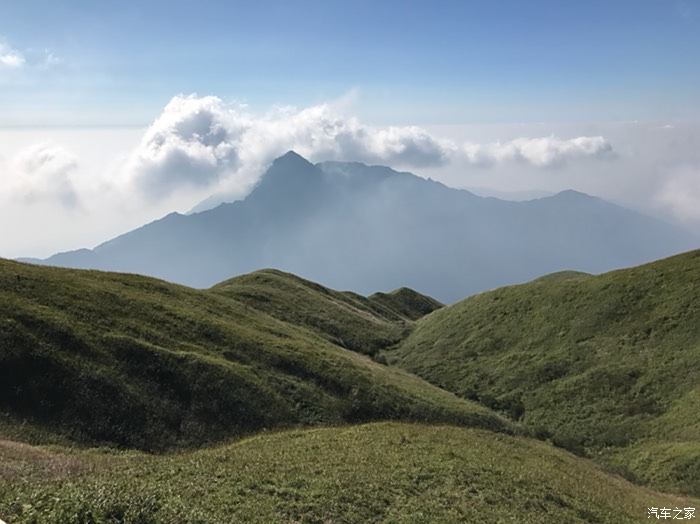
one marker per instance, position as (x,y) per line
(199,146)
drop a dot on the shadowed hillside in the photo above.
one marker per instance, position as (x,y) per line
(137,362)
(605,365)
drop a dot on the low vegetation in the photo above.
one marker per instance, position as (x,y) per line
(105,358)
(121,397)
(347,319)
(607,366)
(382,472)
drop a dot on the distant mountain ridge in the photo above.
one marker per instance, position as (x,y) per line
(363,228)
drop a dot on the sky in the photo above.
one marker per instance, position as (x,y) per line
(114,114)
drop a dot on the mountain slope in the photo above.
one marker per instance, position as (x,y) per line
(385,472)
(608,365)
(133,361)
(344,318)
(407,302)
(368,228)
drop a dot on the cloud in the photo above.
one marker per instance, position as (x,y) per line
(192,143)
(43,172)
(202,141)
(10,58)
(680,194)
(50,59)
(543,152)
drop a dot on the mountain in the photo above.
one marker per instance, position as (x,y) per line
(608,366)
(368,228)
(381,472)
(131,361)
(509,195)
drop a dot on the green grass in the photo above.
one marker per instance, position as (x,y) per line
(132,361)
(382,472)
(100,370)
(347,319)
(607,366)
(407,302)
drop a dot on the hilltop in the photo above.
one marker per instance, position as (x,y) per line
(347,319)
(607,366)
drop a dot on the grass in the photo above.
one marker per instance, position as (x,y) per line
(607,366)
(346,319)
(407,302)
(130,361)
(120,397)
(381,472)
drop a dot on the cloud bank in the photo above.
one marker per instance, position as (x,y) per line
(544,152)
(199,142)
(681,194)
(71,188)
(43,172)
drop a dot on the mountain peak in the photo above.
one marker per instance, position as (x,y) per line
(289,165)
(291,158)
(573,194)
(290,178)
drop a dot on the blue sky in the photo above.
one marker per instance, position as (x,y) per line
(410,62)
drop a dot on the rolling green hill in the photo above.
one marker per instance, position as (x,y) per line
(347,319)
(407,302)
(132,361)
(381,472)
(604,365)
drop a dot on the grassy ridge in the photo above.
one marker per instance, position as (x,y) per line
(385,472)
(132,361)
(347,319)
(407,302)
(606,365)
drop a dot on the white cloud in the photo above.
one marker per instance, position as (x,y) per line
(680,194)
(43,172)
(654,171)
(540,152)
(192,143)
(10,58)
(202,141)
(199,146)
(50,59)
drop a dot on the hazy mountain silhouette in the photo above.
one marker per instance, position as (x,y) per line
(363,228)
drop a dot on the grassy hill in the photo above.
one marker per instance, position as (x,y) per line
(347,319)
(381,472)
(407,302)
(606,365)
(132,361)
